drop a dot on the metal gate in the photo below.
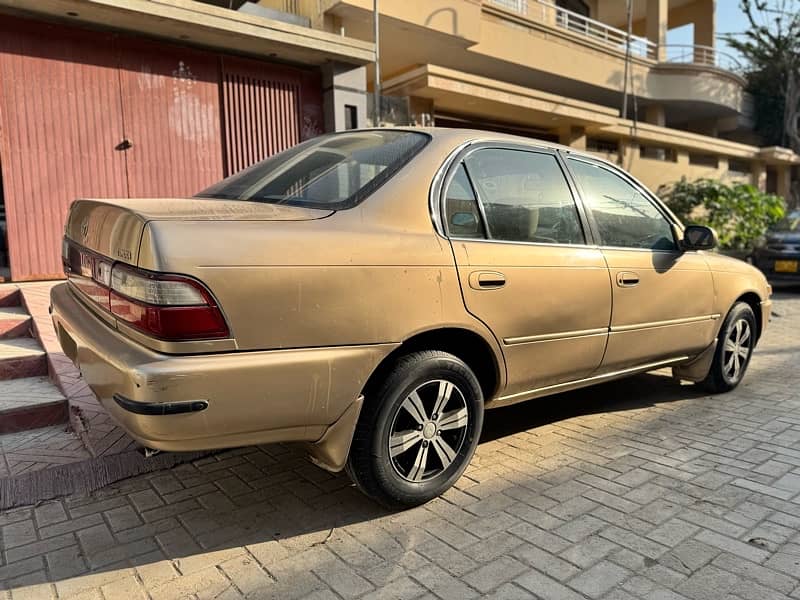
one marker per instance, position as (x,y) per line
(170,104)
(89,114)
(48,75)
(267,110)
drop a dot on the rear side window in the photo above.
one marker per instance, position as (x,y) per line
(461,207)
(624,216)
(525,197)
(330,172)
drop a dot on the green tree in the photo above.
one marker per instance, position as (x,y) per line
(739,213)
(771,47)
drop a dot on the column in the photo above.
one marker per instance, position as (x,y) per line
(344,96)
(758,175)
(656,25)
(421,110)
(784,183)
(705,29)
(573,136)
(655,115)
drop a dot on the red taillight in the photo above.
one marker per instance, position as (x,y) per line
(168,307)
(173,323)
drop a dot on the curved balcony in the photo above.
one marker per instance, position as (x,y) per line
(704,56)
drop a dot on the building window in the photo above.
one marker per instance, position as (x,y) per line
(601,145)
(350,116)
(739,166)
(703,160)
(658,153)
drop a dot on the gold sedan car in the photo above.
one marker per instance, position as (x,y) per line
(372,292)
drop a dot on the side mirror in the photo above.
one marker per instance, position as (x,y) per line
(698,237)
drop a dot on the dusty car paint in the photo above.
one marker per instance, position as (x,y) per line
(316,300)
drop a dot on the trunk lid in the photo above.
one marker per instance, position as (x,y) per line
(114,228)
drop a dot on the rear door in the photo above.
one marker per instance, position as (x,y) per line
(662,297)
(524,265)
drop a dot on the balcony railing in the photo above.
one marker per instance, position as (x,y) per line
(549,13)
(546,12)
(702,55)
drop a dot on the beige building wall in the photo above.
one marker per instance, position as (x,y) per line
(524,67)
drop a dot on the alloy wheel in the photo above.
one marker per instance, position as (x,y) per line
(428,430)
(736,351)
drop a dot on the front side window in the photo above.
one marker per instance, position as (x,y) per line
(625,218)
(525,197)
(331,172)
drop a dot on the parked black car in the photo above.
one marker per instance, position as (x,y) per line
(779,256)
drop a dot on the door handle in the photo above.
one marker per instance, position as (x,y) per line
(486,280)
(627,279)
(125,144)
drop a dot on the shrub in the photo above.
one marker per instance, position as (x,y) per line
(739,213)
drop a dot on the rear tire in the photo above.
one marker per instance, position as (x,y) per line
(735,344)
(418,431)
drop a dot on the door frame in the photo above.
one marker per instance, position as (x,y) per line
(447,171)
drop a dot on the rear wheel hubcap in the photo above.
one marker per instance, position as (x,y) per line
(428,430)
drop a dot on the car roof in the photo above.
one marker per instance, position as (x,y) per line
(457,136)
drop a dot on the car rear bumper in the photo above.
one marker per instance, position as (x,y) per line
(196,402)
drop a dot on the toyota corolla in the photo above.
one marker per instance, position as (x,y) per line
(373,292)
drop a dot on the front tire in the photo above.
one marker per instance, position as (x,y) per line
(418,431)
(735,344)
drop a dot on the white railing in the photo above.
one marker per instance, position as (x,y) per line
(549,13)
(545,11)
(701,55)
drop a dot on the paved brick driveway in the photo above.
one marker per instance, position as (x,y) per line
(637,489)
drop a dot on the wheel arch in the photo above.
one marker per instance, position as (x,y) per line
(469,346)
(754,301)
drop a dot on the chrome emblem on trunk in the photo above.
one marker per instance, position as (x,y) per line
(85,228)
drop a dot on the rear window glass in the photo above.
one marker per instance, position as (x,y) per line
(333,171)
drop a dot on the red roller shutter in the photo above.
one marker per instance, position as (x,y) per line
(267,109)
(60,120)
(170,103)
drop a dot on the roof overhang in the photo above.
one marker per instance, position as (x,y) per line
(201,24)
(774,155)
(465,94)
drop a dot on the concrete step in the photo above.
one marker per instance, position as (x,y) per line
(30,403)
(14,322)
(9,295)
(21,357)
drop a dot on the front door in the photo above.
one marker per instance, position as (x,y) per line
(662,297)
(524,265)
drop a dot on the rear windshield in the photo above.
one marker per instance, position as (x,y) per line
(332,171)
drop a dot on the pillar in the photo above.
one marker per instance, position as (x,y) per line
(655,115)
(758,175)
(784,181)
(656,25)
(705,23)
(344,98)
(421,111)
(573,136)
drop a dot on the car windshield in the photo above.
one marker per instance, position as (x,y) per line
(332,171)
(791,222)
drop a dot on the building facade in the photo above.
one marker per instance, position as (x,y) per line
(557,70)
(133,98)
(169,99)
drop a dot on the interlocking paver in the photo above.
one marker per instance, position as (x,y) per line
(635,489)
